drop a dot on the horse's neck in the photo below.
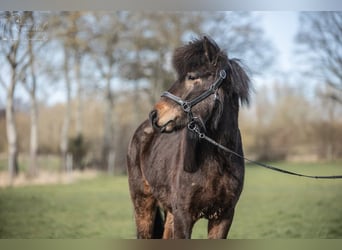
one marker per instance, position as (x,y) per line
(227,128)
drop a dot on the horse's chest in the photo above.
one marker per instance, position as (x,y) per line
(211,201)
(210,212)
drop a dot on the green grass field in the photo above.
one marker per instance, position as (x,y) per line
(272,205)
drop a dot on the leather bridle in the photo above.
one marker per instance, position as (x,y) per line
(187,105)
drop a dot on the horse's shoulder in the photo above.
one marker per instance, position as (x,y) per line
(143,135)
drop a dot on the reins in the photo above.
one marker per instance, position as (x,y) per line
(195,129)
(192,126)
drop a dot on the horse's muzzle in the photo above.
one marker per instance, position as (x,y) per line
(168,127)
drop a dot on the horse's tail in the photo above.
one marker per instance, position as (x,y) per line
(158,228)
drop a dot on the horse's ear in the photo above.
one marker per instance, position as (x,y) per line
(210,49)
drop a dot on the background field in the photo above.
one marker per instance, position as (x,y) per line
(272,205)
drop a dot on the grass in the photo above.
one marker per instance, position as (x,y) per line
(48,162)
(272,205)
(98,208)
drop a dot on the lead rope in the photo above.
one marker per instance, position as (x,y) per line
(193,127)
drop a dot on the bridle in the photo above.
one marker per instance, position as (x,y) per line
(187,105)
(193,126)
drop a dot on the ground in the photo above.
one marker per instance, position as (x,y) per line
(272,206)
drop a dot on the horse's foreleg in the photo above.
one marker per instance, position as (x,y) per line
(145,210)
(219,228)
(168,227)
(183,225)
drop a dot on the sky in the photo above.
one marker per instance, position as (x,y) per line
(281,27)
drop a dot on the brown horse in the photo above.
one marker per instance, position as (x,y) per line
(170,168)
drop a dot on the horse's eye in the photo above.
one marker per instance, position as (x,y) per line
(192,77)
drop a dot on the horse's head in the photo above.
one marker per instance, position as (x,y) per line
(199,66)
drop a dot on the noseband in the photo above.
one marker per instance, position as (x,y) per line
(187,105)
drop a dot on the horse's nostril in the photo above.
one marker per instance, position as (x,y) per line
(153,116)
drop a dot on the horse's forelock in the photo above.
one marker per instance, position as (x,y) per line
(193,55)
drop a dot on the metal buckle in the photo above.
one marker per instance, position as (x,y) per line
(192,126)
(223,74)
(186,107)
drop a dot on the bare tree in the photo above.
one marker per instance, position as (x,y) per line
(320,35)
(15,53)
(34,111)
(153,35)
(240,33)
(67,31)
(64,31)
(35,41)
(105,54)
(67,114)
(79,48)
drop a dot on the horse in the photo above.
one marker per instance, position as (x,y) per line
(176,178)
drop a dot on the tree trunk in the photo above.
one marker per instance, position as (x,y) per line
(108,124)
(11,133)
(33,171)
(66,122)
(79,108)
